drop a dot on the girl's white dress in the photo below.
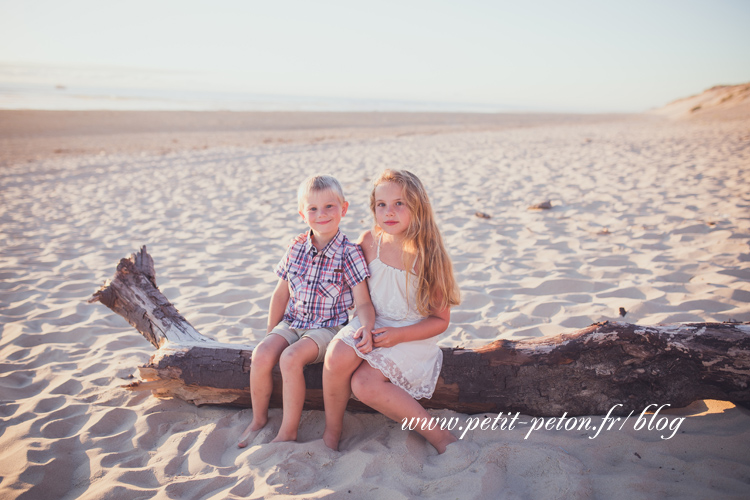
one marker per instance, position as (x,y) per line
(414,366)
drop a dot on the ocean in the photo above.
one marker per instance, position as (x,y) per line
(60,97)
(24,86)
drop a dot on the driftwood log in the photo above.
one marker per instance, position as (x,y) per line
(583,373)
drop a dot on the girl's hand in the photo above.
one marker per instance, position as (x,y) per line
(298,239)
(385,337)
(364,345)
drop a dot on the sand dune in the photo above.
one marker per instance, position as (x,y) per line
(648,214)
(722,102)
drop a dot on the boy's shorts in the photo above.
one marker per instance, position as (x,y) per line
(321,336)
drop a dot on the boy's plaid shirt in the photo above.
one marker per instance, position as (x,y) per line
(320,283)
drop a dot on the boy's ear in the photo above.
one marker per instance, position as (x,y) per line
(302,215)
(345,207)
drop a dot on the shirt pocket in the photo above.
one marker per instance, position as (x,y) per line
(296,285)
(330,289)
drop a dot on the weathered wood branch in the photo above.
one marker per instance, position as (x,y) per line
(582,373)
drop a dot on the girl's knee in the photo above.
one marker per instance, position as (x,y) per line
(363,386)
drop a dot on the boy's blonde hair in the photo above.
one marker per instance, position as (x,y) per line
(423,245)
(319,182)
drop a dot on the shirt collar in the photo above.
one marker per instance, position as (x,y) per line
(330,249)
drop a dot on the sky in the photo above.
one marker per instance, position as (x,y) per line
(588,56)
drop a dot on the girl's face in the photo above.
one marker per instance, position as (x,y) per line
(391,212)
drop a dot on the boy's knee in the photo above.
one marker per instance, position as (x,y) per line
(264,356)
(294,359)
(258,357)
(287,360)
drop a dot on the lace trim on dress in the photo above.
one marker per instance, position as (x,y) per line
(388,368)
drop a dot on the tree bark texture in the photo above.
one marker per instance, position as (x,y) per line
(587,372)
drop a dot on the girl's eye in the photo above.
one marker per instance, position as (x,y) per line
(381,204)
(399,203)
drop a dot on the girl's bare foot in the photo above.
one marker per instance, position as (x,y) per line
(441,445)
(253,427)
(331,439)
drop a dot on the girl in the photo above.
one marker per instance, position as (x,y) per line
(412,288)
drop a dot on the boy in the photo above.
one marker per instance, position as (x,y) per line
(319,278)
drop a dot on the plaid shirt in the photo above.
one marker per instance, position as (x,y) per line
(320,283)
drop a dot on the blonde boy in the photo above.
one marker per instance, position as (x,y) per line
(320,277)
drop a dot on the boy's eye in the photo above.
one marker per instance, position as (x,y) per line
(311,209)
(329,206)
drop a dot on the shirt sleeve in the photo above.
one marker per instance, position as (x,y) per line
(283,265)
(355,266)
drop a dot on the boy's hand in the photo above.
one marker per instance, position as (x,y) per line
(364,345)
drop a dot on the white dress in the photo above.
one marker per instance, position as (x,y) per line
(414,366)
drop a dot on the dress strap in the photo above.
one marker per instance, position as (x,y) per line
(380,238)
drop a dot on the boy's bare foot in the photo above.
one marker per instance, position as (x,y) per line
(253,427)
(283,436)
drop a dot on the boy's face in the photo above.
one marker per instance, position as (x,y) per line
(322,211)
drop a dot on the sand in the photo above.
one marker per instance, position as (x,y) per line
(649,214)
(28,135)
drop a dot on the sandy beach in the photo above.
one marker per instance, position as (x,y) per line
(650,213)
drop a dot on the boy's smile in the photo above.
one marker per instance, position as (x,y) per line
(322,211)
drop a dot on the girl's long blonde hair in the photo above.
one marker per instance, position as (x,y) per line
(423,245)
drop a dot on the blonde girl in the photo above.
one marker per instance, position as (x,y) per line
(412,288)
